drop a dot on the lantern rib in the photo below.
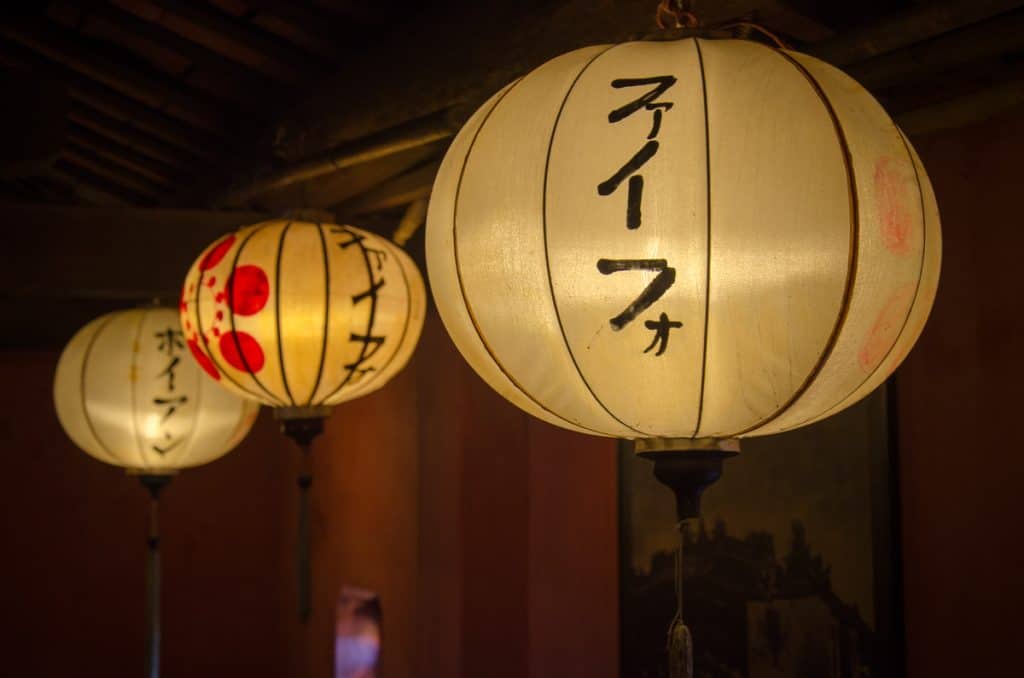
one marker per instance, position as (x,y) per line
(206,342)
(401,337)
(462,287)
(132,390)
(917,288)
(327,314)
(369,325)
(230,290)
(851,272)
(547,257)
(189,452)
(277,312)
(707,263)
(85,403)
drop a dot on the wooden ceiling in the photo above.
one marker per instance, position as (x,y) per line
(158,123)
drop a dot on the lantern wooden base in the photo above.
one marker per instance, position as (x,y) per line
(687,467)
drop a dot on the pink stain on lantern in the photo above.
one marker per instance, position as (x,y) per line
(892,199)
(242,352)
(203,360)
(886,328)
(214,256)
(249,290)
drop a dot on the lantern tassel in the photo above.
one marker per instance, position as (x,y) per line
(153,483)
(680,645)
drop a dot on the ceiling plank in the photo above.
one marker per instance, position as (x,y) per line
(126,133)
(93,188)
(152,88)
(112,172)
(199,55)
(289,63)
(120,154)
(315,30)
(102,98)
(906,28)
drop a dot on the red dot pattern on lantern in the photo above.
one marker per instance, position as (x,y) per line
(248,289)
(202,359)
(242,351)
(214,256)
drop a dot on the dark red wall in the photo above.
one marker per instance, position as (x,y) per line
(491,539)
(73,533)
(960,403)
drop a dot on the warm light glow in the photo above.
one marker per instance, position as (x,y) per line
(298,314)
(683,239)
(126,393)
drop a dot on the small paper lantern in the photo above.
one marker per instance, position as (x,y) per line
(683,239)
(302,315)
(127,393)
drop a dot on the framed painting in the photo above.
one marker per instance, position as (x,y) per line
(793,569)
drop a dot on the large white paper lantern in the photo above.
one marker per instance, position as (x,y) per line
(127,393)
(302,315)
(683,239)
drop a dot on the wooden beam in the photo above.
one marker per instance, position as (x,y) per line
(965,110)
(417,134)
(112,172)
(1001,35)
(315,31)
(150,87)
(122,155)
(280,59)
(906,28)
(402,190)
(117,106)
(127,134)
(199,55)
(92,188)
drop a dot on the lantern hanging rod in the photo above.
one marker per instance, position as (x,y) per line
(415,134)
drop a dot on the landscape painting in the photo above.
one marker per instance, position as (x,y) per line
(792,569)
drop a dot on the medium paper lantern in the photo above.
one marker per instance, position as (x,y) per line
(305,315)
(127,393)
(683,239)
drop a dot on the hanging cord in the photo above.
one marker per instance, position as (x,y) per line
(153,483)
(746,29)
(677,14)
(302,425)
(679,645)
(305,565)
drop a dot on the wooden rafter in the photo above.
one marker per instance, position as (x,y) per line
(278,58)
(112,103)
(147,86)
(122,155)
(199,55)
